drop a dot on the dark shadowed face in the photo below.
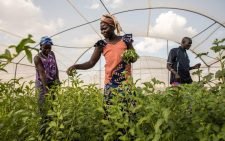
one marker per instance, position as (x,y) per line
(106,30)
(187,43)
(46,49)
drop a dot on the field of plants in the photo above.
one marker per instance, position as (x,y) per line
(194,112)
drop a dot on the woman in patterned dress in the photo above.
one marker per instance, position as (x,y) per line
(112,48)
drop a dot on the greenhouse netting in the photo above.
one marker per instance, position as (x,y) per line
(156,25)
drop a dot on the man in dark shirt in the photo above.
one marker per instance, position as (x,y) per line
(178,63)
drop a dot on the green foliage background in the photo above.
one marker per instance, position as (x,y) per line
(194,112)
(184,113)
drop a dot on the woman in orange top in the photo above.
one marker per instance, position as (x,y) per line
(112,48)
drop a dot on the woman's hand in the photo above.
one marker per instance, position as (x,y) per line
(70,70)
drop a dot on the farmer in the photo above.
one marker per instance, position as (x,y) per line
(47,76)
(178,63)
(47,73)
(112,48)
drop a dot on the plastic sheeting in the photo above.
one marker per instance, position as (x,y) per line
(74,27)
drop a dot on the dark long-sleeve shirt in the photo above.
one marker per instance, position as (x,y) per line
(179,61)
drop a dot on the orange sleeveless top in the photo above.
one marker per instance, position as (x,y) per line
(113,56)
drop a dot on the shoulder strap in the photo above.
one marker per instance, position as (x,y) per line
(127,38)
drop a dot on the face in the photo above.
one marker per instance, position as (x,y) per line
(187,43)
(46,49)
(106,30)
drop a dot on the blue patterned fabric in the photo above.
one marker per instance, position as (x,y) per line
(118,76)
(127,38)
(46,41)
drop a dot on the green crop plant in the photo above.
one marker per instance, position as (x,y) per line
(193,112)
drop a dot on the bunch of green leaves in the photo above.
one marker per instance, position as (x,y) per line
(129,56)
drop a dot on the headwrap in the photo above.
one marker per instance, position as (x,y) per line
(111,20)
(46,41)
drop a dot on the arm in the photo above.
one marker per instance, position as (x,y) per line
(169,67)
(41,71)
(89,64)
(170,61)
(197,66)
(130,46)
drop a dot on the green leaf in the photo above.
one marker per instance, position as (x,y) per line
(166,113)
(100,110)
(218,48)
(208,77)
(201,54)
(1,69)
(156,137)
(217,41)
(29,55)
(105,122)
(119,125)
(12,46)
(142,120)
(157,125)
(216,128)
(21,46)
(223,57)
(19,112)
(137,108)
(155,81)
(198,72)
(220,73)
(25,119)
(132,131)
(61,126)
(215,49)
(51,113)
(124,138)
(21,130)
(7,55)
(52,124)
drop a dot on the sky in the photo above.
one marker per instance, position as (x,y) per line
(151,28)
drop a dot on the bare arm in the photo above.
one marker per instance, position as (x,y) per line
(89,64)
(169,67)
(197,66)
(177,76)
(40,70)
